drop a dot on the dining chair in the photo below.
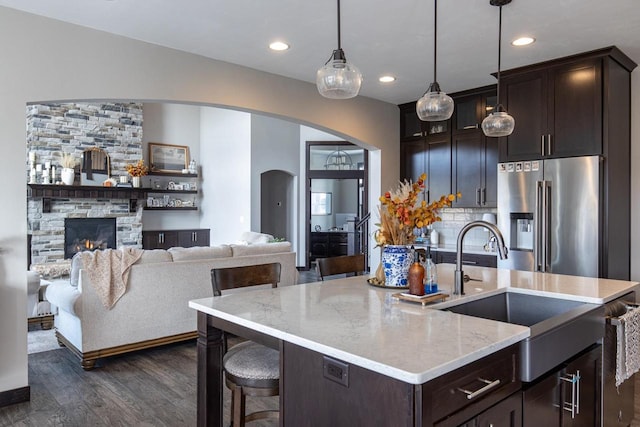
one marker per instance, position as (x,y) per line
(345,264)
(250,369)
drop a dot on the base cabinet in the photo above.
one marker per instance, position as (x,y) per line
(467,259)
(165,239)
(507,413)
(568,396)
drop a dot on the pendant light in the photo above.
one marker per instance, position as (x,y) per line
(338,79)
(499,122)
(435,105)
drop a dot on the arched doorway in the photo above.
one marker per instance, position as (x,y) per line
(277,204)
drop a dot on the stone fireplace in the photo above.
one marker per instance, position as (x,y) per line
(57,128)
(88,234)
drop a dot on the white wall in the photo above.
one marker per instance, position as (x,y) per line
(48,60)
(177,124)
(225,150)
(274,146)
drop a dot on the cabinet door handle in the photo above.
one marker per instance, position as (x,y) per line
(194,237)
(489,385)
(161,238)
(484,196)
(477,196)
(574,405)
(471,126)
(548,144)
(542,145)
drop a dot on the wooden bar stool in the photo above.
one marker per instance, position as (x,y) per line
(344,264)
(250,369)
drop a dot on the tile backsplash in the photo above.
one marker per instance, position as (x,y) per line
(453,219)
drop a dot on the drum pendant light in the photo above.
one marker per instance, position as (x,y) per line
(435,105)
(499,123)
(338,79)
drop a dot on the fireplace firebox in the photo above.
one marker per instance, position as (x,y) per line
(88,234)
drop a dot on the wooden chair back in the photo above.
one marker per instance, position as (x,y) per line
(242,277)
(344,264)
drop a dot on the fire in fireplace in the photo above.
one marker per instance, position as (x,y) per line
(88,234)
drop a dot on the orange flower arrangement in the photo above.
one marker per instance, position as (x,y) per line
(138,169)
(400,212)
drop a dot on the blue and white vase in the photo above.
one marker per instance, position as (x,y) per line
(396,260)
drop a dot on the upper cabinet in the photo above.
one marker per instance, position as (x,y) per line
(425,147)
(560,106)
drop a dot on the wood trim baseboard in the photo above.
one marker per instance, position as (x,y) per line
(89,358)
(17,395)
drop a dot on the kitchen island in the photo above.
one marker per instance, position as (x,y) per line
(382,346)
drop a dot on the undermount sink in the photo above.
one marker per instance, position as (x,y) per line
(559,328)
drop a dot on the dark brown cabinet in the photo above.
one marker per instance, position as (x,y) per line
(569,396)
(507,413)
(467,259)
(561,107)
(475,157)
(326,244)
(425,147)
(331,392)
(165,239)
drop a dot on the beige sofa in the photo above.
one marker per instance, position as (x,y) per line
(154,310)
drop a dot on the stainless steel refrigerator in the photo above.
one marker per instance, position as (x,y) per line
(549,213)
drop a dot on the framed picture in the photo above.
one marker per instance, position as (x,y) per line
(168,158)
(320,203)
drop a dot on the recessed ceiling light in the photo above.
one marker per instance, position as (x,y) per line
(523,41)
(387,79)
(278,46)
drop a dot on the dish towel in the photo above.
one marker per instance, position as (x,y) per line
(108,272)
(628,345)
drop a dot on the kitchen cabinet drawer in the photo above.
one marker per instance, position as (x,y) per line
(457,397)
(467,259)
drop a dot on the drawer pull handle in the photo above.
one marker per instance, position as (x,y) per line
(489,386)
(470,262)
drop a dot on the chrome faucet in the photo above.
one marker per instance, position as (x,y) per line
(458,280)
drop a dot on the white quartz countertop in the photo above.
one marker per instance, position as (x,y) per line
(362,324)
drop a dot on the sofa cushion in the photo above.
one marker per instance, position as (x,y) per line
(253,238)
(154,255)
(200,252)
(266,248)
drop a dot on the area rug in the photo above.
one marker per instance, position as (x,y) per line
(42,340)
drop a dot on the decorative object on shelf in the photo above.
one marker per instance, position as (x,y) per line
(434,105)
(110,182)
(338,160)
(168,158)
(338,79)
(136,171)
(68,173)
(499,122)
(193,168)
(95,166)
(400,212)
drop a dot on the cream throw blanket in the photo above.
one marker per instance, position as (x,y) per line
(108,272)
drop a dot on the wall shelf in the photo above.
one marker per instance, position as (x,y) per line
(47,192)
(153,190)
(168,208)
(173,174)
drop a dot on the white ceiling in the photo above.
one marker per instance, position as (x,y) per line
(379,37)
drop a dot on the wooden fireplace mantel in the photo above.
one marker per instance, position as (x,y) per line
(54,191)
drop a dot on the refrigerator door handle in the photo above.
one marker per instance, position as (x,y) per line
(547,226)
(537,226)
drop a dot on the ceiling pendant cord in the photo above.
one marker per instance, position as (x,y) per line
(499,123)
(339,36)
(435,105)
(435,42)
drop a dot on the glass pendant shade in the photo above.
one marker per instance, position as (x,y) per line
(498,124)
(338,79)
(434,106)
